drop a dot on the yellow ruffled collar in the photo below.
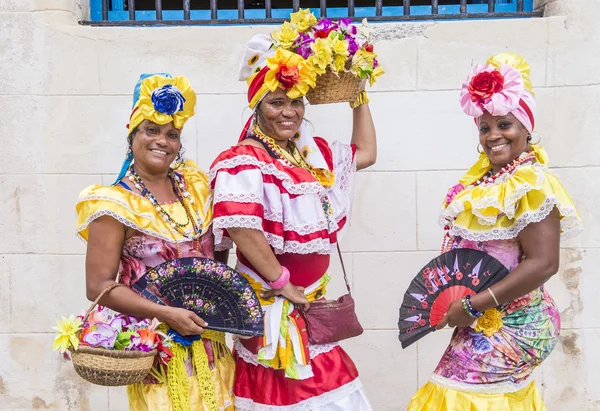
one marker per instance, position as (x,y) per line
(501,209)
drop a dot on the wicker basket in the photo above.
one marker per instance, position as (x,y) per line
(331,88)
(111,367)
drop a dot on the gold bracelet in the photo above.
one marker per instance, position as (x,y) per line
(493,296)
(361,98)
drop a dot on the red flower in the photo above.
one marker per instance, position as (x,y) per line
(288,77)
(486,84)
(369,48)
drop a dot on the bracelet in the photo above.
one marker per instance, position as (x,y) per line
(493,296)
(283,279)
(468,307)
(361,98)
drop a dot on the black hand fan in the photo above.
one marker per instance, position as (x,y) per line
(446,278)
(214,291)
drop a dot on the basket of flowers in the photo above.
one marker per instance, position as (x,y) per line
(109,348)
(339,52)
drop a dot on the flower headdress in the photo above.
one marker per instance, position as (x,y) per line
(266,68)
(161,99)
(501,86)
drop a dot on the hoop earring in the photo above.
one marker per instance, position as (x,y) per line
(479,150)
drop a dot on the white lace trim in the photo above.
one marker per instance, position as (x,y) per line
(247,404)
(251,358)
(254,197)
(125,222)
(570,224)
(95,197)
(498,388)
(295,188)
(318,245)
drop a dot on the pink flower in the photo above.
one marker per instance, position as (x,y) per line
(453,192)
(496,91)
(103,336)
(131,269)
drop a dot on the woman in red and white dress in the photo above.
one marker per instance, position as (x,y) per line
(282,196)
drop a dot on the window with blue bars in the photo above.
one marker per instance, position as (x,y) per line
(175,12)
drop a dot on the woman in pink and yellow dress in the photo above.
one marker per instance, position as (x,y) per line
(511,206)
(282,196)
(159,209)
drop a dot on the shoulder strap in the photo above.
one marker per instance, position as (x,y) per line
(343,269)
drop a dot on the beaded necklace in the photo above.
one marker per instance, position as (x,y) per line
(183,196)
(293,157)
(487,179)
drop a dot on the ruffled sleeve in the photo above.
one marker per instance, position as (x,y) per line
(134,211)
(501,210)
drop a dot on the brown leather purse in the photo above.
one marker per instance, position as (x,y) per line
(329,321)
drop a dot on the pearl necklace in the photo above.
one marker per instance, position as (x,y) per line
(486,179)
(183,197)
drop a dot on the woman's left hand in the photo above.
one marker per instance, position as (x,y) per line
(456,317)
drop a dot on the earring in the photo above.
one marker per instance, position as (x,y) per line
(528,137)
(479,148)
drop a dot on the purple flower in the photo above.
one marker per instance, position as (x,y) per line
(375,63)
(118,323)
(481,345)
(352,45)
(346,26)
(324,27)
(104,336)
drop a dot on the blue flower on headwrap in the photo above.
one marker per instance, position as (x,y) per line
(168,99)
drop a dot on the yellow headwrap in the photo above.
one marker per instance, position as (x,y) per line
(162,100)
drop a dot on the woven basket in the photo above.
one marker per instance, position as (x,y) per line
(111,367)
(333,89)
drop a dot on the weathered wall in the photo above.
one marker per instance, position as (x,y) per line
(65,96)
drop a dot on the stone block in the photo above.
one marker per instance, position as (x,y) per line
(208,56)
(52,53)
(39,378)
(40,213)
(431,190)
(447,50)
(398,58)
(37,5)
(431,348)
(388,372)
(117,399)
(381,223)
(337,286)
(5,296)
(381,279)
(585,192)
(58,289)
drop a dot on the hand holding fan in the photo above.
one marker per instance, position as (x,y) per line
(214,291)
(445,279)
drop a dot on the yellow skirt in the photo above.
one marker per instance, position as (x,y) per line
(155,397)
(433,397)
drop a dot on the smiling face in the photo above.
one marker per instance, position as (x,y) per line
(279,116)
(155,146)
(503,138)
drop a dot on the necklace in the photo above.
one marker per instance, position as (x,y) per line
(183,196)
(294,158)
(487,179)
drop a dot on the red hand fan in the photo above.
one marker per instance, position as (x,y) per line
(445,279)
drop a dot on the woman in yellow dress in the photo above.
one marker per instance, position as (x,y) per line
(512,207)
(159,209)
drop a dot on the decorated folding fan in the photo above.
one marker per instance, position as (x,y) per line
(447,278)
(214,291)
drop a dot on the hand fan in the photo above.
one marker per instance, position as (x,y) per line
(445,279)
(214,291)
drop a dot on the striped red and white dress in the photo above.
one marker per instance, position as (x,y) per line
(254,190)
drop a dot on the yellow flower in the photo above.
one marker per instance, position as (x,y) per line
(339,63)
(378,71)
(293,70)
(67,329)
(303,19)
(323,56)
(489,323)
(285,36)
(363,56)
(339,47)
